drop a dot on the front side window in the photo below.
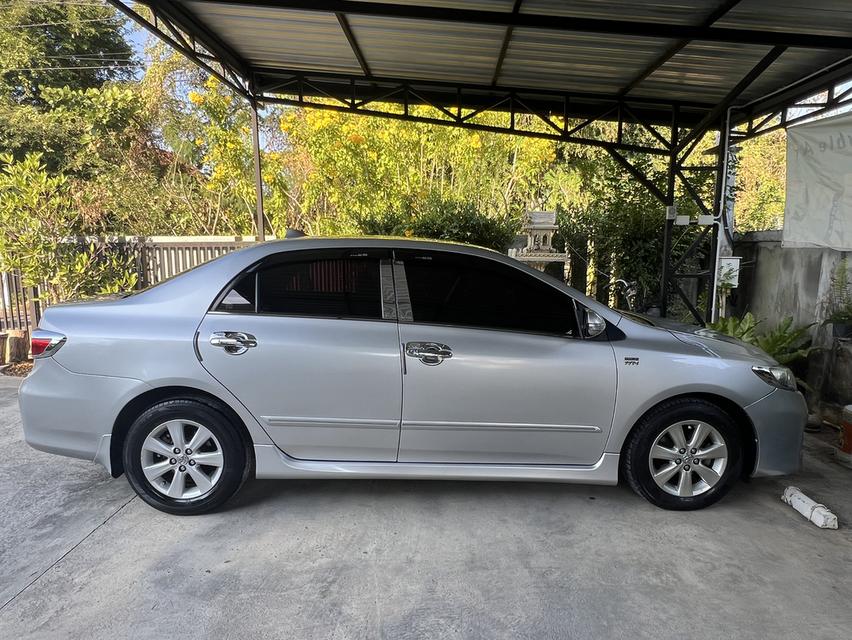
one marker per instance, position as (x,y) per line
(326,283)
(455,289)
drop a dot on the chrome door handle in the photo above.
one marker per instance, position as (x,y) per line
(430,353)
(233,342)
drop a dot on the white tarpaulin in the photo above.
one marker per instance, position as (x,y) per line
(818,212)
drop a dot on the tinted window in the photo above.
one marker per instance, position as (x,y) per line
(336,288)
(463,290)
(241,297)
(327,283)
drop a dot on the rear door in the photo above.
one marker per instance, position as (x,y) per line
(496,370)
(308,341)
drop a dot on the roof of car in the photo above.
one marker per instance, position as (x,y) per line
(386,241)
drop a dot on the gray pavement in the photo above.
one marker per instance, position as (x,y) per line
(80,557)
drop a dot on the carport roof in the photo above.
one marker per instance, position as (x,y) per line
(575,58)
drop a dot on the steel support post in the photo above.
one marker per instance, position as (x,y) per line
(669,223)
(721,231)
(258,176)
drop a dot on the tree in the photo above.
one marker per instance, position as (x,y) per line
(760,182)
(57,44)
(37,216)
(352,172)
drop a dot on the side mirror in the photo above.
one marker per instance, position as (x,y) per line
(594,323)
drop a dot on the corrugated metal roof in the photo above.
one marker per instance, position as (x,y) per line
(414,49)
(820,17)
(567,61)
(679,12)
(268,37)
(272,40)
(702,71)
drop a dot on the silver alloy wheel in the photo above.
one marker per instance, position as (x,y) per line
(182,459)
(688,458)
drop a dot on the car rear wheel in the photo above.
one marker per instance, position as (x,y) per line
(685,454)
(184,457)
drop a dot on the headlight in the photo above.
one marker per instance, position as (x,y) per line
(780,377)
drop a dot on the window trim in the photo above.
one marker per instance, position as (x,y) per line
(298,256)
(402,282)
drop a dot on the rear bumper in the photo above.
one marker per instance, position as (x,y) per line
(779,422)
(72,414)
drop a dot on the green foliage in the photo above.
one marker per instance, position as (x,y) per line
(739,328)
(446,220)
(761,182)
(785,343)
(91,270)
(37,214)
(347,169)
(615,221)
(840,302)
(56,44)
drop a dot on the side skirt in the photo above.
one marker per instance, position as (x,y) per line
(271,462)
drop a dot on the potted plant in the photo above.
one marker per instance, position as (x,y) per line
(840,309)
(841,322)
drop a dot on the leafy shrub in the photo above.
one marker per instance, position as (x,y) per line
(786,343)
(840,304)
(740,328)
(37,215)
(440,219)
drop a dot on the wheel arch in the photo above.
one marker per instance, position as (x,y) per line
(749,435)
(143,401)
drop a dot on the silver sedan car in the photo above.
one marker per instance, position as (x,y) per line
(390,358)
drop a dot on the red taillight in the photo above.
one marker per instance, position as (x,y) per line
(39,345)
(45,343)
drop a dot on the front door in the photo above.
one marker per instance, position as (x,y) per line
(309,344)
(496,370)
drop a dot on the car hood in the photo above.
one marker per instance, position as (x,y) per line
(712,341)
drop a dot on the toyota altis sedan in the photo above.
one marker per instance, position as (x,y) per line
(390,358)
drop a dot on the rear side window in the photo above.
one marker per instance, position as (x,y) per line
(336,288)
(316,283)
(242,295)
(470,291)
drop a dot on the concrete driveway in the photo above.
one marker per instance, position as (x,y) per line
(80,557)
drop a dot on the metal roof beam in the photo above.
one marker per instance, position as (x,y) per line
(180,46)
(673,50)
(561,23)
(478,88)
(352,89)
(353,43)
(835,73)
(190,24)
(505,46)
(716,112)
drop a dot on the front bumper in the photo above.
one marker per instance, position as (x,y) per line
(72,414)
(779,423)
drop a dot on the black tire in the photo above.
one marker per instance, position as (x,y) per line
(636,453)
(236,457)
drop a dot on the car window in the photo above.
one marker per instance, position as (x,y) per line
(447,288)
(318,283)
(241,296)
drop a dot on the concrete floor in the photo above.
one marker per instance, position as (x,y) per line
(80,557)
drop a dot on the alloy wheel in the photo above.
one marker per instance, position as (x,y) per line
(688,458)
(182,459)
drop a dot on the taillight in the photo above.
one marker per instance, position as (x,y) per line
(44,344)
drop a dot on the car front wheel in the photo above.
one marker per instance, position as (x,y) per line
(685,454)
(184,457)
